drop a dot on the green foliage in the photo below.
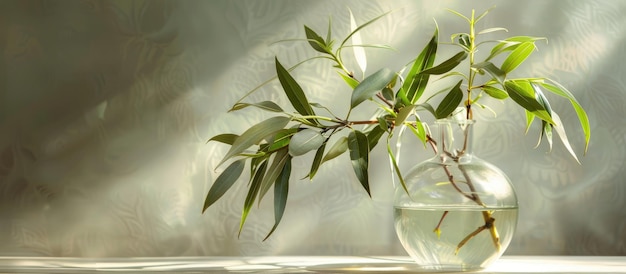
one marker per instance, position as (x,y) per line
(396,99)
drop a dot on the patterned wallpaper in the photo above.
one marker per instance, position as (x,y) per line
(106,107)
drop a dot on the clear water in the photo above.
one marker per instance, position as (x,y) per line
(415,229)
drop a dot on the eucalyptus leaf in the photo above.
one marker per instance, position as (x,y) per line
(223,182)
(354,31)
(414,86)
(359,156)
(450,102)
(281,139)
(253,191)
(580,112)
(304,141)
(517,56)
(317,161)
(560,130)
(373,136)
(370,86)
(349,80)
(523,94)
(446,65)
(265,105)
(280,159)
(281,191)
(494,71)
(337,149)
(316,42)
(255,134)
(226,138)
(293,90)
(359,52)
(495,92)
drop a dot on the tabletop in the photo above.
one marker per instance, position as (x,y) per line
(299,264)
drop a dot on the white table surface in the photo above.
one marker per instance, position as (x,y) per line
(297,264)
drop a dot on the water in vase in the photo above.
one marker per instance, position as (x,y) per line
(438,251)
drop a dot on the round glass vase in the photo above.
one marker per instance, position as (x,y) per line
(458,212)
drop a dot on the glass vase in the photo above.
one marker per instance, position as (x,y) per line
(458,212)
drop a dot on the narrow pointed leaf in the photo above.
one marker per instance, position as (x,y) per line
(415,83)
(226,138)
(446,65)
(373,136)
(489,30)
(359,155)
(281,191)
(450,102)
(418,129)
(494,71)
(280,158)
(255,134)
(361,27)
(530,117)
(304,141)
(547,131)
(404,113)
(281,139)
(517,56)
(293,90)
(359,52)
(510,44)
(396,168)
(337,149)
(523,94)
(265,105)
(317,161)
(349,80)
(223,182)
(560,130)
(316,42)
(495,92)
(582,115)
(370,86)
(253,191)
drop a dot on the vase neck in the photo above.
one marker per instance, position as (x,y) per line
(454,141)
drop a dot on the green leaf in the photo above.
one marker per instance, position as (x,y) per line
(316,42)
(370,86)
(582,115)
(224,182)
(294,92)
(560,130)
(447,65)
(394,163)
(359,155)
(403,113)
(510,44)
(304,141)
(337,149)
(415,83)
(517,56)
(281,190)
(226,138)
(489,30)
(494,71)
(530,117)
(255,134)
(495,92)
(361,27)
(317,161)
(281,139)
(255,185)
(349,80)
(359,52)
(523,94)
(450,102)
(274,171)
(418,129)
(373,136)
(265,105)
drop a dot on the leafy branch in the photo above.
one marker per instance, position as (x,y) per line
(398,98)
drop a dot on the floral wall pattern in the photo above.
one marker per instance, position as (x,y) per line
(106,107)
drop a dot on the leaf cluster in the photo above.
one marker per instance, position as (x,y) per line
(398,98)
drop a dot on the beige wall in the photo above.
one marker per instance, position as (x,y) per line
(105,107)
